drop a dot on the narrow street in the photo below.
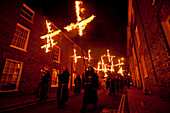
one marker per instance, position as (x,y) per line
(106,103)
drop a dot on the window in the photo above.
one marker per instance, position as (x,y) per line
(144,67)
(54,82)
(166,28)
(56,51)
(11,75)
(73,77)
(27,13)
(137,37)
(153,2)
(20,37)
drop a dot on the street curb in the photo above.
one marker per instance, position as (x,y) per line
(35,101)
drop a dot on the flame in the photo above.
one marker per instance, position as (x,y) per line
(81,24)
(78,9)
(75,57)
(89,56)
(120,71)
(48,36)
(78,3)
(102,66)
(119,64)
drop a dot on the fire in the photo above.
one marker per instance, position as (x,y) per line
(102,66)
(48,36)
(120,71)
(75,57)
(119,64)
(89,56)
(81,24)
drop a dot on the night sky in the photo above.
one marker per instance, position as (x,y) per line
(106,31)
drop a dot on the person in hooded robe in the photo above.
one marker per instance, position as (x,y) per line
(62,92)
(43,86)
(77,82)
(91,86)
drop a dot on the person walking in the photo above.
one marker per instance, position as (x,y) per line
(111,85)
(117,83)
(43,86)
(62,92)
(90,92)
(121,83)
(77,82)
(128,82)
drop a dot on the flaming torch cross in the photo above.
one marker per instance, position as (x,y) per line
(75,57)
(81,24)
(48,36)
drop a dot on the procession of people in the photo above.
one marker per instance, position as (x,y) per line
(89,81)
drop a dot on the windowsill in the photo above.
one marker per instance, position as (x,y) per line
(54,86)
(26,18)
(56,61)
(146,77)
(3,91)
(17,48)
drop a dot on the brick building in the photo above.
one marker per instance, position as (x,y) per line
(21,56)
(148,41)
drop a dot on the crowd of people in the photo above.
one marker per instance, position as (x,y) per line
(89,81)
(116,83)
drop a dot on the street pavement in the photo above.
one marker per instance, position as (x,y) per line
(106,104)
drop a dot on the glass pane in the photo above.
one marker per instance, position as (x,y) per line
(3,78)
(7,64)
(9,78)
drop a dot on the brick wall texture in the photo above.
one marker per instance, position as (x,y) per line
(153,46)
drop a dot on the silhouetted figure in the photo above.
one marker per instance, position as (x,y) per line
(91,86)
(121,83)
(77,82)
(111,85)
(62,92)
(127,82)
(117,83)
(43,86)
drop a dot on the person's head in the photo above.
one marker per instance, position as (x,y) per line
(65,68)
(90,69)
(46,72)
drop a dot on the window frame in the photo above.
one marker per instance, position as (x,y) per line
(55,70)
(153,2)
(26,42)
(19,75)
(145,72)
(137,37)
(58,54)
(32,19)
(166,28)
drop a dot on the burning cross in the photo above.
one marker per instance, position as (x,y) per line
(81,24)
(89,56)
(105,67)
(75,57)
(120,71)
(119,64)
(48,36)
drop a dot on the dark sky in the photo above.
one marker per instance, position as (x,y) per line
(106,31)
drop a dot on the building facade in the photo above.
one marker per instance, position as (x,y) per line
(148,43)
(21,56)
